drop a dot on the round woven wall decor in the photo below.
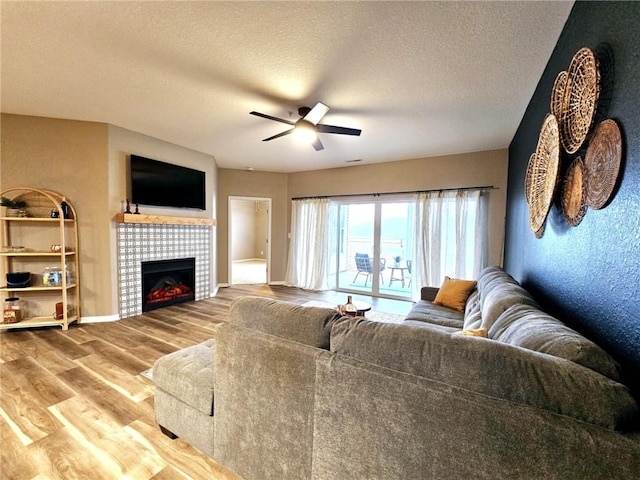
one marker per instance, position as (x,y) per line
(574,193)
(602,163)
(527,178)
(557,95)
(580,99)
(544,177)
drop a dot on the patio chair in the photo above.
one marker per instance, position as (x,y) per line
(409,272)
(365,267)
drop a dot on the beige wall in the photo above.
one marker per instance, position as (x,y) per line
(452,171)
(241,183)
(243,229)
(70,158)
(86,161)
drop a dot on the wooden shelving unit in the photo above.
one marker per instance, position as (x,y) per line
(36,232)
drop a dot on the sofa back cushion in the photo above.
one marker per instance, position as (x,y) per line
(528,327)
(498,291)
(488,367)
(306,325)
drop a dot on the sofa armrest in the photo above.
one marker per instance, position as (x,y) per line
(428,293)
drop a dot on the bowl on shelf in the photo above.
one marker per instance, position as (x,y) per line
(13,249)
(18,279)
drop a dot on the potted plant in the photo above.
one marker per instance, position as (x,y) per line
(15,208)
(396,260)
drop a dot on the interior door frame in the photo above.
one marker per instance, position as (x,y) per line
(230,200)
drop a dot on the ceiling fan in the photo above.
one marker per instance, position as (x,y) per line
(307,127)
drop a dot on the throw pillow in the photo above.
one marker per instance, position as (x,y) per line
(474,332)
(454,293)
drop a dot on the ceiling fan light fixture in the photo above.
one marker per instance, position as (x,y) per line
(305,132)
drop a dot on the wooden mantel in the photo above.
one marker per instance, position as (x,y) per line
(162,220)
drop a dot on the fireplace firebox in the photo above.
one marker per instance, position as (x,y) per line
(167,282)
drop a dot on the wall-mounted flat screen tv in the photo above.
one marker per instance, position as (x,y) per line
(166,185)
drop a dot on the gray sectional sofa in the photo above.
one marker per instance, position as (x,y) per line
(290,392)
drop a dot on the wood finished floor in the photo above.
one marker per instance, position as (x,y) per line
(73,404)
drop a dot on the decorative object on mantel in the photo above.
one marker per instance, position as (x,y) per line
(574,193)
(137,212)
(545,170)
(602,163)
(128,209)
(580,99)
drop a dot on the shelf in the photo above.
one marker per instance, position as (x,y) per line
(39,322)
(162,220)
(40,288)
(48,231)
(36,219)
(35,254)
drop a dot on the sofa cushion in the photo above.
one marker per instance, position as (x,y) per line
(425,311)
(472,312)
(454,293)
(187,374)
(498,296)
(488,367)
(529,327)
(307,325)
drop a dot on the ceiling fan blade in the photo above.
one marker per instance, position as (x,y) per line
(269,117)
(281,134)
(335,129)
(316,113)
(317,144)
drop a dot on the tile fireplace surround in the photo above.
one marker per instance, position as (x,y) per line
(139,242)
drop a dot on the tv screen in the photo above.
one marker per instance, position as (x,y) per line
(166,185)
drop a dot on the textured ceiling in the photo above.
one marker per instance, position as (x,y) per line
(419,78)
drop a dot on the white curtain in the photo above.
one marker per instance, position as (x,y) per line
(450,235)
(309,253)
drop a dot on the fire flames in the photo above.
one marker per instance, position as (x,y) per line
(167,292)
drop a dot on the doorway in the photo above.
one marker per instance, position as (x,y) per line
(374,248)
(249,240)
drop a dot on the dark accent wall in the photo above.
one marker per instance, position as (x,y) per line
(589,275)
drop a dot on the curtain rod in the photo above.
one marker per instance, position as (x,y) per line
(484,187)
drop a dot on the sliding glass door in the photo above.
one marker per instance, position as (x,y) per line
(373,242)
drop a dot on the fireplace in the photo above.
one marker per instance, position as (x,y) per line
(167,282)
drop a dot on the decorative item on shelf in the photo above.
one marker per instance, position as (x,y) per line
(602,163)
(14,207)
(55,213)
(11,310)
(574,193)
(64,206)
(18,279)
(544,176)
(13,249)
(55,248)
(580,99)
(128,209)
(59,315)
(137,212)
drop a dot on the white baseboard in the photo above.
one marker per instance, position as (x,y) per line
(279,282)
(101,319)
